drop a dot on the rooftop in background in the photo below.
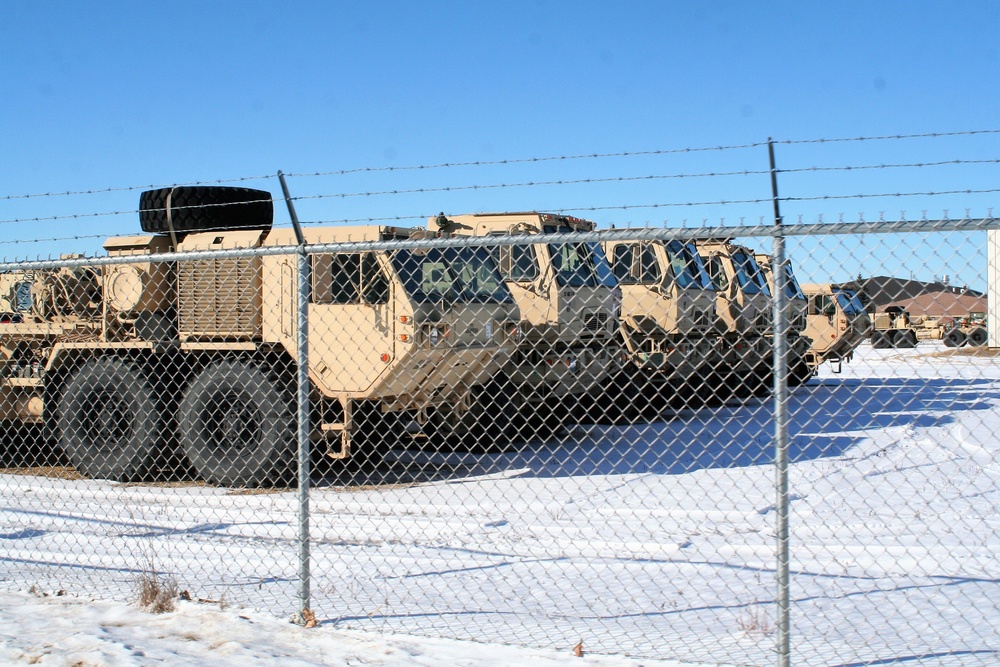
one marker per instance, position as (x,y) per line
(880,291)
(943,304)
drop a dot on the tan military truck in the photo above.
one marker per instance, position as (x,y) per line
(836,322)
(42,306)
(568,303)
(743,301)
(800,366)
(154,365)
(893,328)
(669,326)
(958,332)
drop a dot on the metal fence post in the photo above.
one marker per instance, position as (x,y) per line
(780,421)
(302,395)
(304,426)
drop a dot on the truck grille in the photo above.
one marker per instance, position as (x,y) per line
(219,298)
(595,322)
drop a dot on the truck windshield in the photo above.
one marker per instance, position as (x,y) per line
(573,263)
(792,288)
(849,302)
(466,275)
(748,274)
(605,276)
(686,265)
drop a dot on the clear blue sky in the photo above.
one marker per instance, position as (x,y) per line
(117,94)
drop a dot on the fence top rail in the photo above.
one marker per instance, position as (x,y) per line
(615,234)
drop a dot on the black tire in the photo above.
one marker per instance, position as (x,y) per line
(954,338)
(495,419)
(799,372)
(237,427)
(375,434)
(111,425)
(880,341)
(906,338)
(204,208)
(619,400)
(763,381)
(978,337)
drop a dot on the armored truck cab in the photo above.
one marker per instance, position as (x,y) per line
(800,363)
(568,303)
(836,323)
(669,325)
(743,301)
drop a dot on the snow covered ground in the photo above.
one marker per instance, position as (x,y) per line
(650,540)
(58,631)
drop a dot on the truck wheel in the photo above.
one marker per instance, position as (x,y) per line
(763,381)
(236,426)
(799,373)
(204,208)
(954,338)
(111,425)
(880,340)
(618,400)
(496,419)
(978,337)
(375,434)
(906,338)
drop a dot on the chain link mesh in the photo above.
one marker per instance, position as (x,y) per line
(515,438)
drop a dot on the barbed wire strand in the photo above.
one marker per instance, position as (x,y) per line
(88,237)
(925,135)
(479,163)
(720,202)
(130,188)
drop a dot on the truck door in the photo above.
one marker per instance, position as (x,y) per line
(351,328)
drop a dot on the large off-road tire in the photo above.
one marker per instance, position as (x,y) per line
(110,422)
(763,380)
(906,338)
(954,338)
(617,400)
(493,421)
(978,337)
(237,427)
(204,208)
(881,340)
(799,372)
(375,434)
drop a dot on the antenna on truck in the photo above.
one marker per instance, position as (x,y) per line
(291,210)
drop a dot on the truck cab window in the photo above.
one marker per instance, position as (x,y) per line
(336,278)
(517,262)
(649,267)
(22,300)
(349,278)
(636,264)
(624,255)
(373,280)
(822,304)
(718,273)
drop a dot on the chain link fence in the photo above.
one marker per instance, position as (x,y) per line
(512,428)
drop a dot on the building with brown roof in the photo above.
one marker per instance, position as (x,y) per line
(942,304)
